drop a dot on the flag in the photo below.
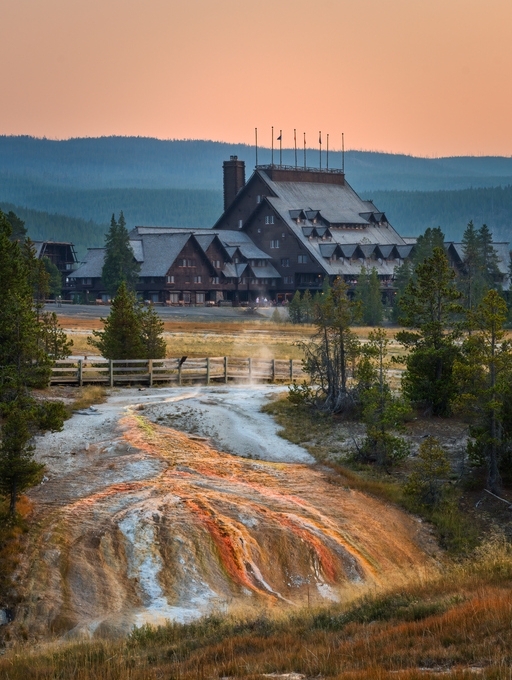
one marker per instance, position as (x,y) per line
(279,137)
(319,137)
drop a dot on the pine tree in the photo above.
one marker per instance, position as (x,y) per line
(24,363)
(54,277)
(307,307)
(329,355)
(382,412)
(19,231)
(295,308)
(428,479)
(152,328)
(53,338)
(430,304)
(426,243)
(369,295)
(484,375)
(121,337)
(119,265)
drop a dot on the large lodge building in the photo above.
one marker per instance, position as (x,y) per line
(286,229)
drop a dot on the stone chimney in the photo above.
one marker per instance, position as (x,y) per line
(234,179)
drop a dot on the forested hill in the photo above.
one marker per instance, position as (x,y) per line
(107,162)
(411,212)
(179,183)
(41,226)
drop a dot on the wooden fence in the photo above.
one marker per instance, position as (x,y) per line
(205,370)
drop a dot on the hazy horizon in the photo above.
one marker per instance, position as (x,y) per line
(420,79)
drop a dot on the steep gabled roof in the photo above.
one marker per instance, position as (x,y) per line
(92,266)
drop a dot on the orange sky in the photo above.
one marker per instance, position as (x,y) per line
(426,77)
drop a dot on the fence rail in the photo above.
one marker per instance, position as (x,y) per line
(204,370)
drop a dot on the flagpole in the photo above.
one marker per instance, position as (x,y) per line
(256,139)
(280,147)
(320,143)
(304,151)
(295,144)
(272,146)
(327,151)
(343,152)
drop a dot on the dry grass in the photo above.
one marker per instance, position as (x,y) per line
(457,623)
(88,395)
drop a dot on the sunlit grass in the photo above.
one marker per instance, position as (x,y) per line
(455,620)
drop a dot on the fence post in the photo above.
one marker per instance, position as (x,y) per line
(111,372)
(273,379)
(225,370)
(291,370)
(150,369)
(207,370)
(179,372)
(250,369)
(80,373)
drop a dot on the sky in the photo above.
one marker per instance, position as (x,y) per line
(421,77)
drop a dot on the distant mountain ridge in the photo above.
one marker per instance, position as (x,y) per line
(120,162)
(179,183)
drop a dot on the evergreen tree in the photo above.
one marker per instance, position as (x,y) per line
(369,296)
(428,479)
(425,245)
(121,337)
(295,308)
(430,303)
(119,265)
(54,277)
(18,231)
(402,277)
(23,364)
(52,337)
(489,257)
(307,307)
(328,356)
(382,412)
(484,375)
(151,331)
(480,270)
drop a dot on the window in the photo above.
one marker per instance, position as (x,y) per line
(258,199)
(288,279)
(274,244)
(259,231)
(240,224)
(199,297)
(215,279)
(285,262)
(186,298)
(302,259)
(216,264)
(170,279)
(269,219)
(187,263)
(283,235)
(174,298)
(87,282)
(198,279)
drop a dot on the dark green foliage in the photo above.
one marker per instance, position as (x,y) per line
(53,339)
(24,363)
(295,308)
(119,265)
(426,484)
(121,335)
(335,346)
(54,277)
(402,277)
(432,238)
(368,294)
(152,327)
(430,304)
(484,377)
(480,266)
(17,225)
(382,412)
